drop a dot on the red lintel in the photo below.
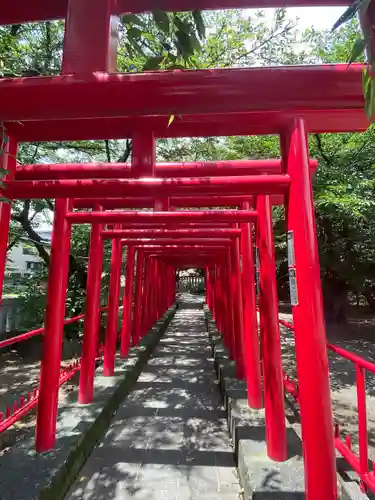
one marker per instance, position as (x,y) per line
(254,123)
(147,242)
(22,11)
(172,233)
(152,187)
(123,170)
(200,217)
(177,202)
(284,89)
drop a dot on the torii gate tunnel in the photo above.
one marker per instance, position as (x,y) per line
(89,100)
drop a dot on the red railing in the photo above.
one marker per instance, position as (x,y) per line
(24,405)
(360,462)
(40,331)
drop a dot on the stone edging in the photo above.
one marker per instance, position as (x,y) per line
(260,477)
(66,476)
(27,475)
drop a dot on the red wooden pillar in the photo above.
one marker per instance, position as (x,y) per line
(162,204)
(270,335)
(308,318)
(213,282)
(219,314)
(54,328)
(164,288)
(230,294)
(136,334)
(143,154)
(160,283)
(92,316)
(128,302)
(167,292)
(158,278)
(173,286)
(220,294)
(145,296)
(151,292)
(155,296)
(91,37)
(208,287)
(155,290)
(113,309)
(236,291)
(8,155)
(167,288)
(223,304)
(252,354)
(143,165)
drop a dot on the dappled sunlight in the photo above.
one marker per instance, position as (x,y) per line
(169,439)
(358,337)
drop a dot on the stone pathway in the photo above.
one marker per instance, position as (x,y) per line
(169,439)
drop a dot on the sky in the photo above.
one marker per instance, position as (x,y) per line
(318,17)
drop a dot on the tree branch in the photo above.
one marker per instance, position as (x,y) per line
(108,151)
(319,144)
(126,154)
(23,219)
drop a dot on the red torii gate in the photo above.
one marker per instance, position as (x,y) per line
(89,100)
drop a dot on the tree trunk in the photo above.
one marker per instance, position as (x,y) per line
(369,294)
(335,297)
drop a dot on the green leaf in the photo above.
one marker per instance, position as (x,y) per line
(166,46)
(161,19)
(195,43)
(171,120)
(357,50)
(153,63)
(176,66)
(371,103)
(179,23)
(365,80)
(369,93)
(133,44)
(350,12)
(133,19)
(184,44)
(134,32)
(199,23)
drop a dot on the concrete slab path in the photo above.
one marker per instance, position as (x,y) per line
(169,439)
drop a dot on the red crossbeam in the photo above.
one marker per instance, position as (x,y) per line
(23,11)
(282,89)
(150,242)
(172,233)
(209,216)
(123,170)
(177,247)
(155,187)
(177,202)
(238,124)
(254,123)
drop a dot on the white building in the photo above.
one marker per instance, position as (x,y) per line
(23,258)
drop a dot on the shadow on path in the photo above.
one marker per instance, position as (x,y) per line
(169,439)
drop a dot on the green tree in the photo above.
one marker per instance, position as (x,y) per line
(343,185)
